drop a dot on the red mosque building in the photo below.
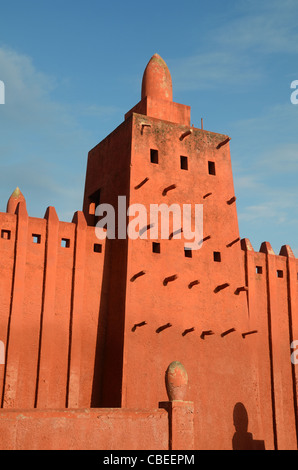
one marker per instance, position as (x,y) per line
(138,343)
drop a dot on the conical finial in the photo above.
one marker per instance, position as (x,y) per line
(176,381)
(14,200)
(157,81)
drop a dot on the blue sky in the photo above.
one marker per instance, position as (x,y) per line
(72,69)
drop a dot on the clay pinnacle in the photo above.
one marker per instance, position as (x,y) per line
(14,200)
(157,80)
(16,192)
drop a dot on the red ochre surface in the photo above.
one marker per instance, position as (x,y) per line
(90,326)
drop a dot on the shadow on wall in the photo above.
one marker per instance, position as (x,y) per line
(243,440)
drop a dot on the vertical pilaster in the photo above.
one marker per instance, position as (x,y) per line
(74,398)
(293,315)
(281,372)
(15,333)
(260,353)
(180,412)
(249,271)
(46,366)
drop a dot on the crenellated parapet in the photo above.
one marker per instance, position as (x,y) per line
(51,305)
(272,296)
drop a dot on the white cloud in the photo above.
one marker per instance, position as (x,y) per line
(282,159)
(213,69)
(276,210)
(29,103)
(237,52)
(101,111)
(275,119)
(43,149)
(266,27)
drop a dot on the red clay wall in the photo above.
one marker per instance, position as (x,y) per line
(67,314)
(85,429)
(50,310)
(221,369)
(81,330)
(272,282)
(224,369)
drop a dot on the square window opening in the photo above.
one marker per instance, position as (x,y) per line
(36,238)
(183,163)
(217,256)
(6,234)
(188,252)
(211,168)
(97,248)
(65,242)
(154,156)
(259,269)
(280,273)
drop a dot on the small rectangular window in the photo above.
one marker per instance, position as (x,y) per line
(94,201)
(217,256)
(211,168)
(188,252)
(36,238)
(92,208)
(97,248)
(183,163)
(65,243)
(154,156)
(259,269)
(155,247)
(6,234)
(280,273)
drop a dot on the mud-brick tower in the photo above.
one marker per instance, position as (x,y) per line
(89,328)
(166,303)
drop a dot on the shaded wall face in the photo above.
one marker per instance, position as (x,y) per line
(108,174)
(221,369)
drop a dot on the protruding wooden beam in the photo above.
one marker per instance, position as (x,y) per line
(185,134)
(169,188)
(224,142)
(169,279)
(138,325)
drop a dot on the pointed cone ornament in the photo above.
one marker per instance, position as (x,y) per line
(14,201)
(157,80)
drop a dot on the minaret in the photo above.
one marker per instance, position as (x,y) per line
(165,304)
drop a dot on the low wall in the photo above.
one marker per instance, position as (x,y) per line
(85,429)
